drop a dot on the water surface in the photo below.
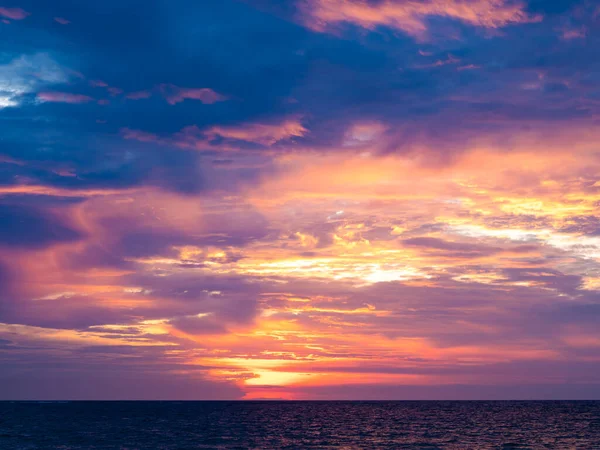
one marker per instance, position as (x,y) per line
(294,425)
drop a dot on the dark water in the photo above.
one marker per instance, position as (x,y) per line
(295,425)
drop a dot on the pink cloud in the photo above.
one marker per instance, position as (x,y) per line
(410,16)
(63,97)
(364,133)
(114,91)
(139,95)
(468,67)
(192,137)
(260,133)
(98,83)
(574,33)
(62,21)
(174,94)
(139,135)
(13,13)
(439,63)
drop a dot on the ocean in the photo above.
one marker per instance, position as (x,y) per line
(423,425)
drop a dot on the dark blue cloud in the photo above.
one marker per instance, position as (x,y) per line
(22,226)
(270,66)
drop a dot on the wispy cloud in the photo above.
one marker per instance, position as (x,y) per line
(63,97)
(410,16)
(261,133)
(267,134)
(175,94)
(574,33)
(138,135)
(13,13)
(139,95)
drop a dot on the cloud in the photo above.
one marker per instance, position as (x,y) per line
(139,135)
(121,381)
(98,83)
(63,97)
(411,16)
(174,94)
(574,33)
(113,91)
(139,95)
(27,74)
(66,311)
(364,133)
(359,210)
(13,13)
(62,20)
(195,325)
(470,391)
(28,227)
(224,137)
(260,133)
(452,249)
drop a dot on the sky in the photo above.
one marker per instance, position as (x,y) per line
(300,199)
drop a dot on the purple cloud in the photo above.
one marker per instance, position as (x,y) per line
(14,13)
(174,94)
(63,97)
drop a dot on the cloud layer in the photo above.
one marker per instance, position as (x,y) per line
(310,200)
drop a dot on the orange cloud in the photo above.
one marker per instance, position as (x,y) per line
(411,16)
(376,270)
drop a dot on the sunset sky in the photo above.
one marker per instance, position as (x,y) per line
(299,199)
